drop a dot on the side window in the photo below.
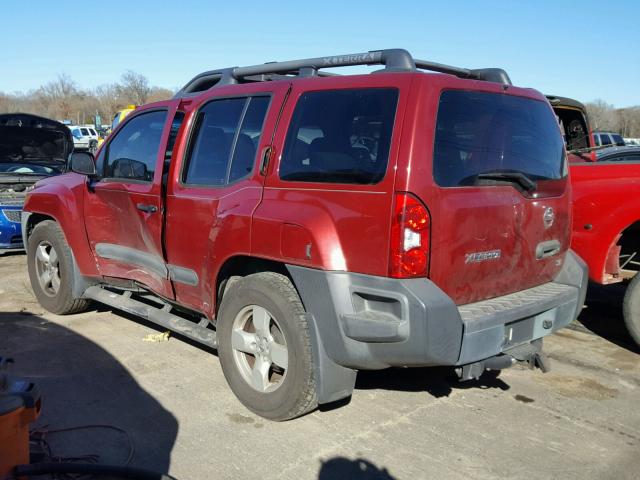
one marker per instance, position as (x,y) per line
(173,133)
(624,158)
(85,132)
(617,139)
(93,132)
(133,152)
(244,154)
(340,136)
(224,141)
(605,139)
(596,138)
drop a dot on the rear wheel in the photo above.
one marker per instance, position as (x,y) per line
(631,308)
(50,266)
(265,348)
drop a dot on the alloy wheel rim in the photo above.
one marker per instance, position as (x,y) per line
(48,268)
(259,349)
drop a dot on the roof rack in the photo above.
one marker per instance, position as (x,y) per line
(394,60)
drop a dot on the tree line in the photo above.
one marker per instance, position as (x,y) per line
(625,121)
(62,99)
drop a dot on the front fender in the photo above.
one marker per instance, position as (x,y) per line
(62,198)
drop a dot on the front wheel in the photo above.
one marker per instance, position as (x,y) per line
(50,265)
(631,308)
(265,348)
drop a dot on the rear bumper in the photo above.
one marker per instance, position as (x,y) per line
(367,322)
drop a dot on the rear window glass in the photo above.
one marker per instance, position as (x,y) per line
(605,139)
(340,136)
(617,139)
(485,133)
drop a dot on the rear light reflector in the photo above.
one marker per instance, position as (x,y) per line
(410,238)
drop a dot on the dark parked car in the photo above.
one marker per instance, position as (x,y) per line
(619,154)
(31,148)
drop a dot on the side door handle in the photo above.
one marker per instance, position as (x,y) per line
(147,208)
(265,157)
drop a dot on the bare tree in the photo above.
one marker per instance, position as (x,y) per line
(59,96)
(603,116)
(134,87)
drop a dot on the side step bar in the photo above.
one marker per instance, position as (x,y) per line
(160,315)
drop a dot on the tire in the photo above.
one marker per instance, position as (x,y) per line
(260,315)
(631,308)
(50,265)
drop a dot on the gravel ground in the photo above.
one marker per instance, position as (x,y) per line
(579,421)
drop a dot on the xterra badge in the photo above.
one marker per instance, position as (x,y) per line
(477,257)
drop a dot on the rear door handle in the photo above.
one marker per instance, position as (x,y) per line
(147,208)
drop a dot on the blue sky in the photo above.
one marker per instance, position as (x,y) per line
(582,49)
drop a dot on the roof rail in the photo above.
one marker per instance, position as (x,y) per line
(394,60)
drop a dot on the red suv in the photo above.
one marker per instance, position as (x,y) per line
(309,224)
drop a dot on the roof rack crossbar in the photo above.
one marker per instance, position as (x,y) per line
(442,68)
(394,60)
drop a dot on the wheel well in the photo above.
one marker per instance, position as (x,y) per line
(241,266)
(629,243)
(34,219)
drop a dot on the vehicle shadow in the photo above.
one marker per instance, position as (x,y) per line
(436,381)
(339,468)
(603,315)
(84,385)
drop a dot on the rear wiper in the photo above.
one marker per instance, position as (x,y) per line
(513,177)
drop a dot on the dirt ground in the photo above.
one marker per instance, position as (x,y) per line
(581,420)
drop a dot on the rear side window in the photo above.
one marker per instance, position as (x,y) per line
(618,140)
(605,139)
(340,136)
(486,133)
(85,132)
(224,141)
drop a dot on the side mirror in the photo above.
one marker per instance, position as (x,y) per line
(83,163)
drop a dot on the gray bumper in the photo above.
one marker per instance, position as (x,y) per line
(367,322)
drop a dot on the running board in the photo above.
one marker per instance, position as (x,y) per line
(160,315)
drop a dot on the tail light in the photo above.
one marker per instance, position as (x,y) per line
(410,238)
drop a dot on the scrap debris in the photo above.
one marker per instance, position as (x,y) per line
(157,337)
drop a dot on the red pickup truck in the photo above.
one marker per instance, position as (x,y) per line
(606,209)
(309,225)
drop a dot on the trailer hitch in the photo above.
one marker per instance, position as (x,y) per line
(529,353)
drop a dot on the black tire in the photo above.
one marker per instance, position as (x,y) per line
(631,308)
(60,301)
(295,394)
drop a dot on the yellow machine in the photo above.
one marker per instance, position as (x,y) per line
(120,115)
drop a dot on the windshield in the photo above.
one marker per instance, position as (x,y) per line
(27,168)
(487,133)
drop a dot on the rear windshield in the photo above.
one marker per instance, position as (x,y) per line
(340,136)
(485,133)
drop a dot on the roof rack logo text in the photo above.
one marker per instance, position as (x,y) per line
(339,59)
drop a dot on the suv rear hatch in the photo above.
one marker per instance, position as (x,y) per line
(499,203)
